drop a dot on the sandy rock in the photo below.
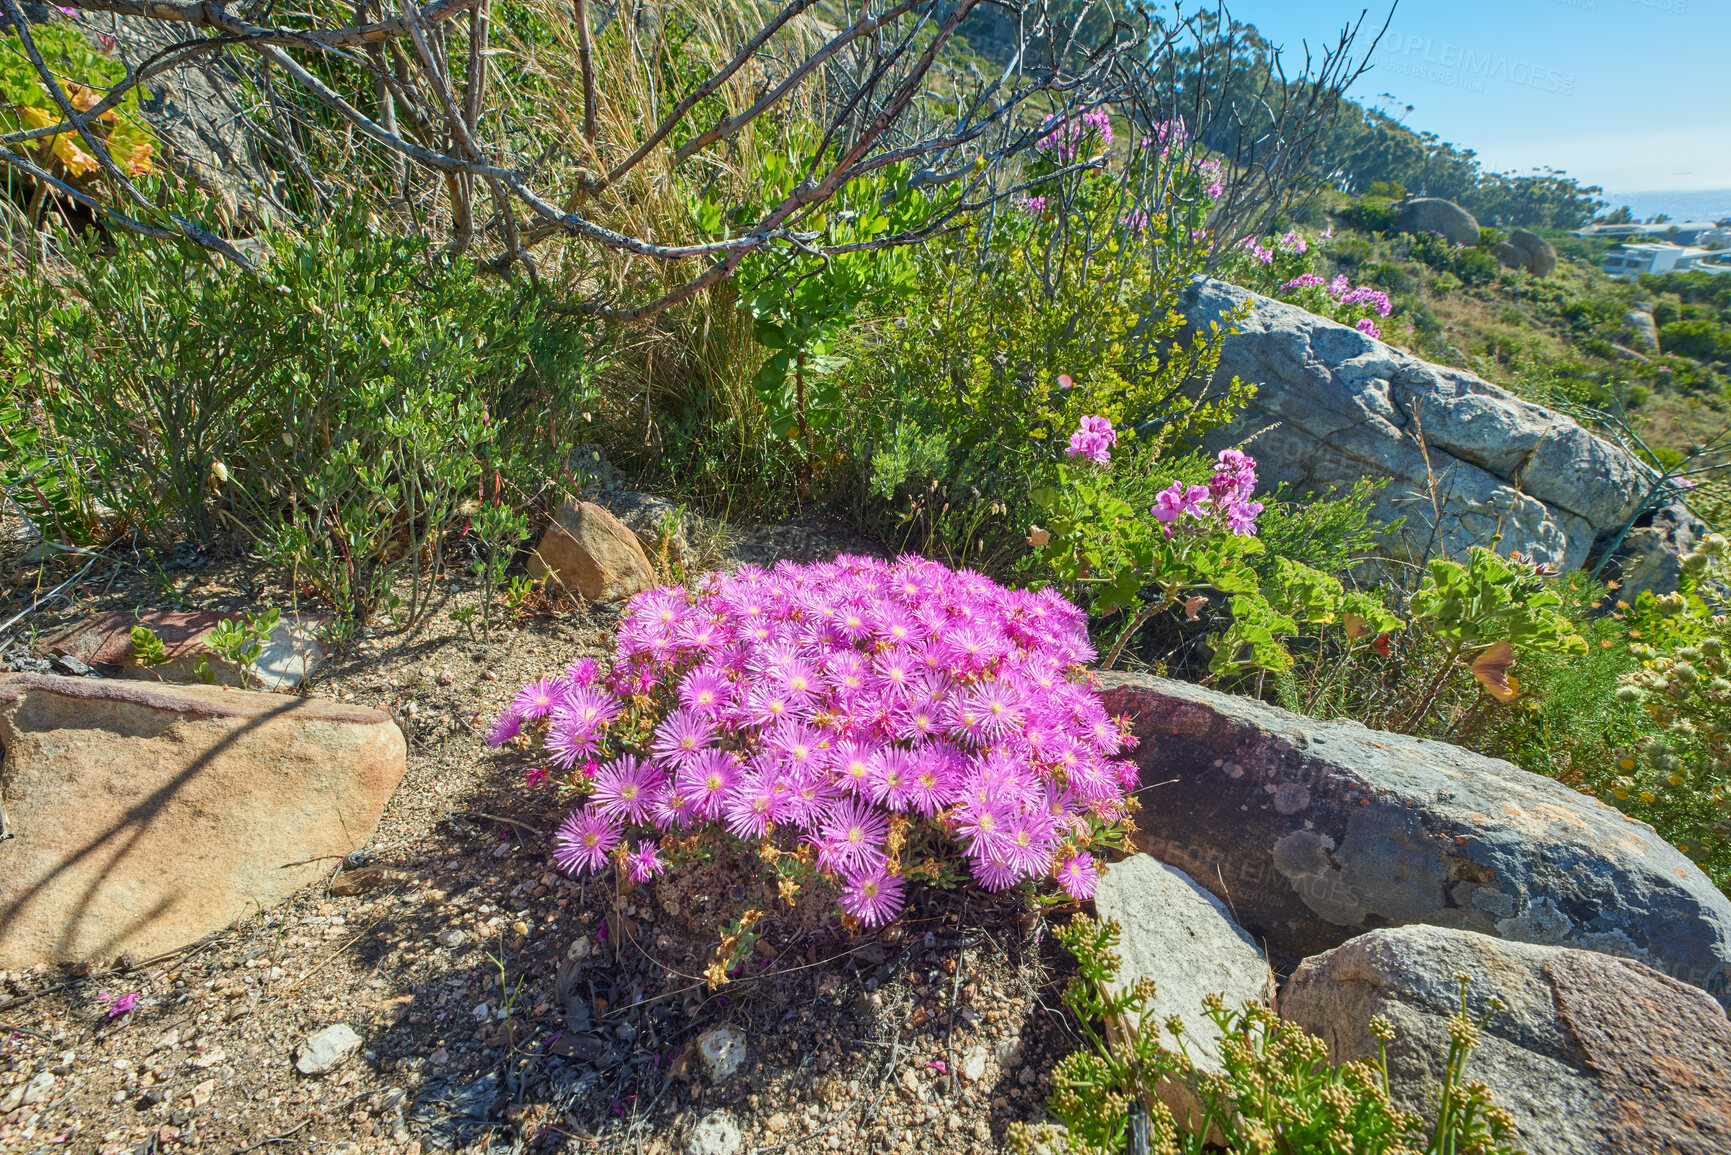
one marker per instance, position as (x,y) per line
(1436,215)
(104,643)
(722,1050)
(588,550)
(149,816)
(1334,405)
(1593,1055)
(1650,555)
(324,1050)
(1315,832)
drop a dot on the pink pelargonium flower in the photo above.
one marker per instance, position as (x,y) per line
(1368,327)
(1094,440)
(1170,504)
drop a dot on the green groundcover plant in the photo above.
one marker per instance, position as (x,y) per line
(1278,1093)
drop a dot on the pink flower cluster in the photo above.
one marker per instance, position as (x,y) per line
(1375,298)
(1094,440)
(1032,205)
(1226,498)
(829,702)
(1168,135)
(1215,174)
(1067,138)
(1304,281)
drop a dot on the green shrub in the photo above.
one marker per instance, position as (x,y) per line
(1278,1093)
(339,413)
(1369,215)
(1702,339)
(1678,775)
(957,410)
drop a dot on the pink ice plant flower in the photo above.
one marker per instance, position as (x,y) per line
(811,704)
(645,862)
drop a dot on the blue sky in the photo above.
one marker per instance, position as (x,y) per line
(1630,95)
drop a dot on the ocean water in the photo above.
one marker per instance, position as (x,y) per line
(1713,204)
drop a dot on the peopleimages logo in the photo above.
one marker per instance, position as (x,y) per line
(1449,63)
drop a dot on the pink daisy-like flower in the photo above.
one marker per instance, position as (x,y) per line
(708,779)
(625,789)
(856,832)
(582,672)
(1078,876)
(535,700)
(584,841)
(874,898)
(504,728)
(705,691)
(644,863)
(681,737)
(754,807)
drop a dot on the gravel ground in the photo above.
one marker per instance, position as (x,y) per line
(500,1006)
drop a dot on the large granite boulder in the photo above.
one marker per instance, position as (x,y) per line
(591,552)
(1538,257)
(142,817)
(1508,255)
(1315,832)
(1184,939)
(1436,215)
(1464,459)
(1592,1055)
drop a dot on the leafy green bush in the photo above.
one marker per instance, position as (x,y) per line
(1369,215)
(340,413)
(87,75)
(1702,339)
(1278,1094)
(1009,337)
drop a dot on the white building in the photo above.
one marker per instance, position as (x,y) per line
(1632,260)
(1674,232)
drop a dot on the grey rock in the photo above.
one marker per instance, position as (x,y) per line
(1539,258)
(1650,555)
(1315,832)
(450,938)
(202,115)
(722,1050)
(1464,459)
(1184,939)
(1435,215)
(1592,1055)
(715,1134)
(1511,257)
(324,1050)
(649,518)
(1643,329)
